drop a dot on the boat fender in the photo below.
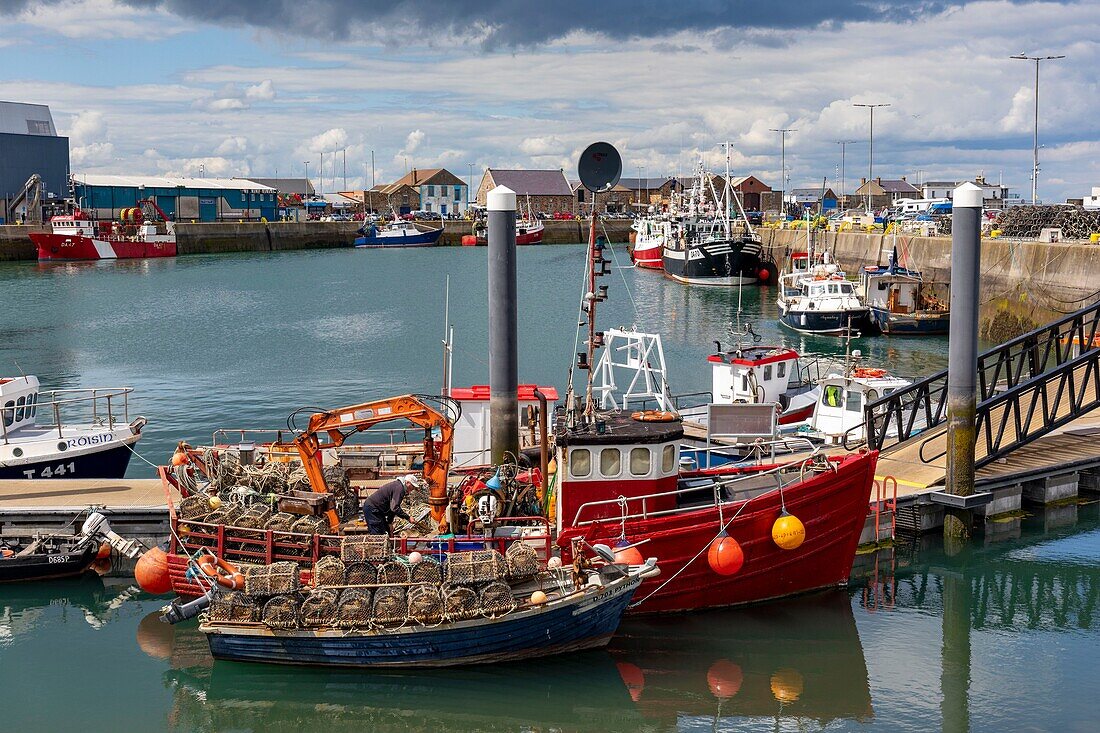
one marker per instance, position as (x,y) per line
(654,416)
(224,573)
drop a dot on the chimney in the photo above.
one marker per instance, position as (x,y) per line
(878,180)
(414,176)
(903,178)
(863,181)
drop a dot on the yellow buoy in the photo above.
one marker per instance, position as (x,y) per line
(214,502)
(788,532)
(538,598)
(787,685)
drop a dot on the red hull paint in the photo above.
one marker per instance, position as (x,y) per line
(792,417)
(651,258)
(75,247)
(534,237)
(833,507)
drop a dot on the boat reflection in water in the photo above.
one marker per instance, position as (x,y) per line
(800,659)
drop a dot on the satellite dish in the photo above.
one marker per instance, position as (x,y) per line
(600,167)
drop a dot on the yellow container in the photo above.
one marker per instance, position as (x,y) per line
(995,233)
(1094,237)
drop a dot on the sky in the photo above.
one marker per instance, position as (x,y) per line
(260,87)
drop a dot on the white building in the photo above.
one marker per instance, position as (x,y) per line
(994,195)
(1093,201)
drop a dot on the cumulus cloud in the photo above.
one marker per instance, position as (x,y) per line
(88,143)
(232,97)
(539,146)
(413,141)
(236,145)
(327,141)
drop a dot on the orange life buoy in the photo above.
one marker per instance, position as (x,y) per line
(654,416)
(223,572)
(868,372)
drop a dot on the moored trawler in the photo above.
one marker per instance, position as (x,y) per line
(77,236)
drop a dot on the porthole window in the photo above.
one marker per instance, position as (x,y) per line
(639,461)
(580,462)
(17,452)
(610,462)
(668,459)
(62,446)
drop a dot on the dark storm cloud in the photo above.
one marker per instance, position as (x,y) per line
(515,23)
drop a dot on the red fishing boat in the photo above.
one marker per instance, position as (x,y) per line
(77,236)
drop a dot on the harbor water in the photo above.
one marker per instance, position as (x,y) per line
(1001,636)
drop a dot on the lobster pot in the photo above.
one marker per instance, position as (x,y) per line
(390,606)
(360,573)
(194,507)
(477,566)
(425,604)
(496,599)
(460,602)
(311,525)
(282,612)
(353,610)
(360,547)
(393,573)
(329,570)
(233,605)
(226,514)
(224,470)
(255,517)
(281,522)
(347,506)
(319,608)
(523,561)
(428,570)
(274,579)
(267,478)
(336,479)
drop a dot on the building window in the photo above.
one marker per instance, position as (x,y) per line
(458,193)
(580,462)
(431,190)
(668,459)
(639,462)
(443,191)
(610,462)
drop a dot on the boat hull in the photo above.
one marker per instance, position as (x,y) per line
(529,236)
(588,622)
(422,239)
(910,324)
(650,255)
(832,506)
(47,566)
(68,247)
(825,323)
(723,263)
(108,463)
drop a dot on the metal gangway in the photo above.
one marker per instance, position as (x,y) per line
(1028,387)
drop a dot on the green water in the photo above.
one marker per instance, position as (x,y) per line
(1000,637)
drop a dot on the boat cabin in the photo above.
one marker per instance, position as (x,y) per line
(619,458)
(18,403)
(838,415)
(756,374)
(77,223)
(472,442)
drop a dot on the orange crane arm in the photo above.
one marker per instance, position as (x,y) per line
(340,424)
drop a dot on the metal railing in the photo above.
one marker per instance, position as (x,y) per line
(95,405)
(923,405)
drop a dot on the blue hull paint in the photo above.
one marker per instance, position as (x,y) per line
(109,463)
(572,626)
(423,239)
(898,324)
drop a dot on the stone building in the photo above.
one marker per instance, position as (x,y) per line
(545,191)
(438,190)
(884,191)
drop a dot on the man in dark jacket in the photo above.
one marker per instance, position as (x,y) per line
(381,507)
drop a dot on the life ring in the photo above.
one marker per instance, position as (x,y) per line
(867,372)
(225,573)
(654,416)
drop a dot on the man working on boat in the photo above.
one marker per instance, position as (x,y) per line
(384,505)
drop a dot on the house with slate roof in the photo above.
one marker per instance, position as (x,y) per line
(547,190)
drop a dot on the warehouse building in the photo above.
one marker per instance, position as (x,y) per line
(182,199)
(30,145)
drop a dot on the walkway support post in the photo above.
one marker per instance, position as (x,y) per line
(503,329)
(962,365)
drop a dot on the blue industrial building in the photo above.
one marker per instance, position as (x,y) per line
(182,199)
(30,145)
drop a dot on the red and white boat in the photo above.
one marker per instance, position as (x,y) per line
(759,374)
(528,231)
(649,238)
(77,236)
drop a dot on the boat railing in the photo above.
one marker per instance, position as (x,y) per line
(100,406)
(722,487)
(685,401)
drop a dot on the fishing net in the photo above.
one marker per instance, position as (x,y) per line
(359,547)
(329,570)
(353,610)
(428,570)
(391,573)
(425,604)
(523,561)
(282,612)
(360,573)
(496,599)
(460,602)
(390,606)
(232,605)
(418,523)
(194,507)
(281,522)
(336,479)
(274,579)
(477,566)
(319,608)
(255,517)
(310,525)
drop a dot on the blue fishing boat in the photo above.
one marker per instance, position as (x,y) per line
(397,234)
(899,301)
(572,620)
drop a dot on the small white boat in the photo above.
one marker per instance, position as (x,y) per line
(815,297)
(838,417)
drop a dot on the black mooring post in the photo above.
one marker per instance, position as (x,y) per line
(503,329)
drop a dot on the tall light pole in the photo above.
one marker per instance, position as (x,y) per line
(843,145)
(1035,142)
(783,164)
(871,148)
(469,184)
(641,170)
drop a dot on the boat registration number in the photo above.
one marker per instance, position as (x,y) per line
(61,469)
(56,559)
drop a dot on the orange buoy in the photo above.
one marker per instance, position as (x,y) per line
(627,555)
(104,551)
(151,572)
(788,532)
(5,552)
(538,598)
(725,555)
(724,679)
(469,240)
(787,685)
(633,678)
(179,457)
(156,638)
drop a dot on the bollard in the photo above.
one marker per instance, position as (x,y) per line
(503,330)
(962,365)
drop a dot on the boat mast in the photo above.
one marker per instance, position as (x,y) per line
(590,300)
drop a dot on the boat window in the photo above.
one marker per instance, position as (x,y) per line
(668,459)
(834,289)
(872,395)
(832,395)
(745,382)
(853,403)
(580,462)
(781,369)
(846,289)
(32,401)
(610,462)
(639,461)
(9,412)
(19,409)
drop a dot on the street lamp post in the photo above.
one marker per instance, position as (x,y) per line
(783,162)
(469,184)
(843,145)
(1035,140)
(871,148)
